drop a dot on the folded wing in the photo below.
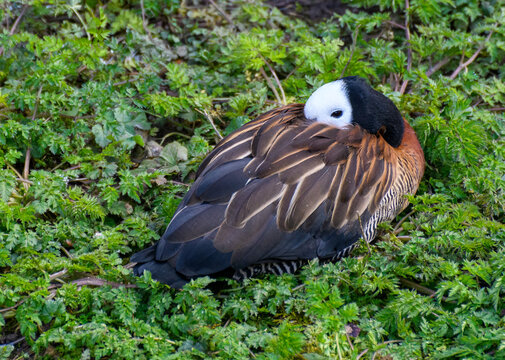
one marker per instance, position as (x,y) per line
(280,188)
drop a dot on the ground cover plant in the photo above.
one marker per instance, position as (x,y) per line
(106,110)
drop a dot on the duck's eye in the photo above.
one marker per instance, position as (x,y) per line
(336,114)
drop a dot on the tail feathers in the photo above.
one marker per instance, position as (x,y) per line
(161,271)
(145,255)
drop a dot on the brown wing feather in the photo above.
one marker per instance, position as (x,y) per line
(276,151)
(311,192)
(311,164)
(304,136)
(265,138)
(246,135)
(252,199)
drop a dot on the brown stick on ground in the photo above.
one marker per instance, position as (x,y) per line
(144,21)
(207,115)
(353,48)
(409,48)
(12,307)
(222,12)
(15,25)
(421,289)
(26,168)
(93,281)
(437,66)
(472,58)
(89,281)
(271,85)
(278,82)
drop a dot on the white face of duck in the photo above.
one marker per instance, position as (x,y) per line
(330,105)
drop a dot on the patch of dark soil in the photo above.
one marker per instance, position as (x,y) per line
(311,10)
(315,10)
(21,347)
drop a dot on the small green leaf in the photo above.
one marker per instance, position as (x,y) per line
(138,139)
(174,154)
(100,137)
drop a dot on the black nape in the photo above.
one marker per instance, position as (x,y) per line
(373,111)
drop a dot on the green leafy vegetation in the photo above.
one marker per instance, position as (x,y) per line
(106,110)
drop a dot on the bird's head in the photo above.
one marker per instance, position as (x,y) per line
(351,101)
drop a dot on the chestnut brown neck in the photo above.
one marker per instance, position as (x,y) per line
(411,144)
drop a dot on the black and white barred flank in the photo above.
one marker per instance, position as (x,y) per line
(284,267)
(276,268)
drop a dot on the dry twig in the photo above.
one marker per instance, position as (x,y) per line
(207,115)
(14,169)
(409,47)
(437,66)
(119,83)
(349,341)
(26,168)
(222,12)
(13,307)
(213,125)
(93,281)
(338,347)
(421,289)
(385,343)
(463,65)
(273,102)
(89,281)
(15,26)
(361,354)
(130,265)
(397,227)
(179,183)
(25,181)
(271,85)
(395,24)
(296,288)
(274,74)
(12,343)
(65,251)
(72,168)
(381,344)
(354,39)
(58,274)
(172,134)
(144,21)
(83,180)
(82,22)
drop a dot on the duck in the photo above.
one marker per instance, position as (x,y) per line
(300,182)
